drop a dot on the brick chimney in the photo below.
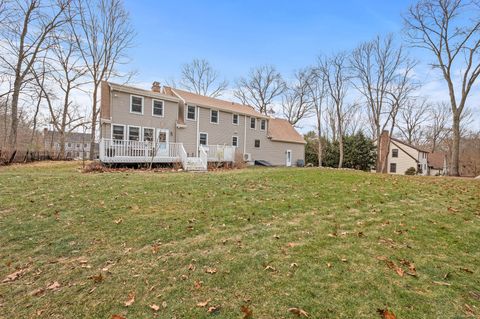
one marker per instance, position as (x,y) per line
(156,87)
(384,148)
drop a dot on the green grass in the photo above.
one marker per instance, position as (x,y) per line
(320,231)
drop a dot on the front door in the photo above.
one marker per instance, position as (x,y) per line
(162,142)
(289,158)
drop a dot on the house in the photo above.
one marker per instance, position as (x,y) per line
(401,156)
(437,164)
(168,125)
(77,145)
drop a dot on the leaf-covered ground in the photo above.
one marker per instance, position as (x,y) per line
(254,243)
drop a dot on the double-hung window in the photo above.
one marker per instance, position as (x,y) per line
(203,139)
(148,134)
(157,108)
(118,132)
(257,143)
(136,104)
(253,122)
(263,125)
(395,152)
(235,141)
(235,119)
(393,167)
(214,116)
(191,112)
(134,133)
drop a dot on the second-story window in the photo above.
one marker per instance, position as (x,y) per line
(214,116)
(191,113)
(235,119)
(263,124)
(157,108)
(395,152)
(253,122)
(136,104)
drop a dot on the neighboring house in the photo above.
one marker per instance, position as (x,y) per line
(171,125)
(437,164)
(77,145)
(402,156)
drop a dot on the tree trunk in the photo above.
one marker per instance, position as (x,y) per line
(61,154)
(340,145)
(94,122)
(454,170)
(319,140)
(12,140)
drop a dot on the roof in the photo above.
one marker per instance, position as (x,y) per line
(282,131)
(135,90)
(436,160)
(211,102)
(409,145)
(72,137)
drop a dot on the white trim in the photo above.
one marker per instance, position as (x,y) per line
(200,133)
(163,108)
(124,130)
(238,119)
(250,124)
(186,112)
(167,135)
(143,133)
(234,136)
(143,104)
(288,163)
(139,132)
(263,120)
(218,116)
(245,134)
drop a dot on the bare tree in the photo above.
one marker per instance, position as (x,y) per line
(318,92)
(103,32)
(297,103)
(199,76)
(260,89)
(25,34)
(438,129)
(450,30)
(337,78)
(412,119)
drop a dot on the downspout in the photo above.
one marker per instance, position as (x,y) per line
(198,129)
(244,134)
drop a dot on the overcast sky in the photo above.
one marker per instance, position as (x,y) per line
(237,35)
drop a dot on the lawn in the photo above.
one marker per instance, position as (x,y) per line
(335,244)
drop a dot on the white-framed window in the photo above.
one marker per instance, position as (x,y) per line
(263,124)
(133,133)
(235,119)
(136,104)
(148,134)
(214,116)
(257,144)
(235,141)
(203,138)
(395,152)
(157,108)
(191,112)
(118,132)
(253,123)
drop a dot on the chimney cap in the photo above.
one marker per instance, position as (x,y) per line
(156,86)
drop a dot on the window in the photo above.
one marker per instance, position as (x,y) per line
(78,145)
(133,133)
(203,139)
(214,116)
(118,132)
(162,136)
(148,134)
(257,143)
(191,113)
(235,141)
(263,124)
(157,108)
(235,119)
(69,144)
(84,145)
(253,122)
(393,168)
(395,152)
(136,105)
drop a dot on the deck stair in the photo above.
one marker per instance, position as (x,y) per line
(194,164)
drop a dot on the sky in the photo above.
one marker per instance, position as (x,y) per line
(235,36)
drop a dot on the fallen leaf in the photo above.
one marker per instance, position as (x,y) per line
(247,312)
(213,309)
(344,260)
(210,270)
(191,267)
(15,275)
(467,270)
(270,268)
(154,307)
(290,245)
(329,265)
(53,286)
(97,278)
(37,292)
(386,314)
(197,284)
(164,304)
(118,317)
(299,312)
(393,266)
(203,303)
(118,221)
(130,300)
(442,283)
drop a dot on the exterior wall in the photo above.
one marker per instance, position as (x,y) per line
(403,161)
(120,114)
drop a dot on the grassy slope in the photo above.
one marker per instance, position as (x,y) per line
(59,225)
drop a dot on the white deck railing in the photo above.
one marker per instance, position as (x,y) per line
(203,156)
(121,151)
